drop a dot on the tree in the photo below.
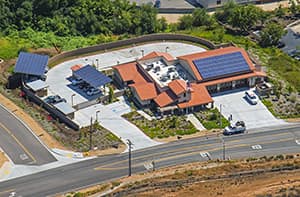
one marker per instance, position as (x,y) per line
(294,9)
(279,12)
(201,18)
(224,14)
(271,34)
(244,17)
(185,22)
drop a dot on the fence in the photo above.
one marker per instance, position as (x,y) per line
(132,41)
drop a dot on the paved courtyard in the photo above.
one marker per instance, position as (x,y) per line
(255,116)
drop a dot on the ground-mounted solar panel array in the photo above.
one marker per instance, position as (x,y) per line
(92,76)
(213,67)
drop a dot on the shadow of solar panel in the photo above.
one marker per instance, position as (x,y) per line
(220,65)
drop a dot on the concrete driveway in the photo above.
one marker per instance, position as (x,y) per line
(110,118)
(255,116)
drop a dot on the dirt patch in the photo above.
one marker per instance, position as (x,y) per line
(34,126)
(121,148)
(3,159)
(272,6)
(244,178)
(205,133)
(171,18)
(293,120)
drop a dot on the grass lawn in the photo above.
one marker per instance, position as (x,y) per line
(169,126)
(210,119)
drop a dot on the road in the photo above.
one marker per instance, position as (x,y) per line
(19,143)
(67,178)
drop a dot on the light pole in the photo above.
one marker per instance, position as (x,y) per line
(129,156)
(142,52)
(167,49)
(97,60)
(97,115)
(72,99)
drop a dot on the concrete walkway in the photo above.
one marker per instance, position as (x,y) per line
(145,115)
(110,118)
(197,124)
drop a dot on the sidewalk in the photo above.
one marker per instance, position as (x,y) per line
(197,124)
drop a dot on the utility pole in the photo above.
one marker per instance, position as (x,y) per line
(224,156)
(220,118)
(91,131)
(129,156)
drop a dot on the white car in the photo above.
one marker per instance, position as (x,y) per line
(77,81)
(239,127)
(251,97)
(93,91)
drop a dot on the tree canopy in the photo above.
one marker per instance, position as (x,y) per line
(79,17)
(271,34)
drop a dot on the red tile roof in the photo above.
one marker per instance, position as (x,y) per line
(199,96)
(165,98)
(178,86)
(129,72)
(221,51)
(239,77)
(145,91)
(154,54)
(75,67)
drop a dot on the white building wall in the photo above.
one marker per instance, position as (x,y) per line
(218,3)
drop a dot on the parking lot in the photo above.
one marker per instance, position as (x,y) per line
(254,116)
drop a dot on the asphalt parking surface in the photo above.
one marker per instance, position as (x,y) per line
(291,41)
(19,143)
(255,116)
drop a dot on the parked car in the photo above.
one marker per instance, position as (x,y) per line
(53,99)
(93,91)
(238,127)
(77,81)
(83,85)
(251,97)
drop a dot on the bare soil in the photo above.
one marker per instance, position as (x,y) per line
(3,159)
(243,178)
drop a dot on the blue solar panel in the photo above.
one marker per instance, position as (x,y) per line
(216,66)
(92,76)
(31,64)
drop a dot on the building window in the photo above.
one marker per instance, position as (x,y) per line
(184,95)
(218,2)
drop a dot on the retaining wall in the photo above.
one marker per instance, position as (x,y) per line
(132,41)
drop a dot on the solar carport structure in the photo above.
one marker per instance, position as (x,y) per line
(92,76)
(31,64)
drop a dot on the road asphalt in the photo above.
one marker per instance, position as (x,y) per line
(18,142)
(254,143)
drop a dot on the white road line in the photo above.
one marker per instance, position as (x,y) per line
(297,142)
(256,147)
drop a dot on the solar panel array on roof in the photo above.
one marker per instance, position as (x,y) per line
(92,76)
(220,65)
(31,64)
